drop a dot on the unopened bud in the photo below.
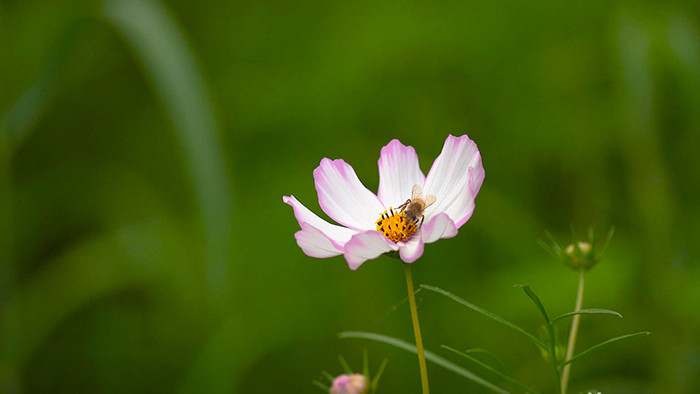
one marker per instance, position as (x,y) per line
(350,384)
(579,255)
(584,247)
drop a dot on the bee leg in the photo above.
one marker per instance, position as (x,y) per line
(403,206)
(421,221)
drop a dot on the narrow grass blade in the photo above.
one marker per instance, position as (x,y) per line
(328,376)
(490,354)
(345,365)
(428,355)
(607,243)
(557,248)
(551,250)
(550,330)
(600,345)
(171,68)
(555,245)
(536,300)
(487,314)
(591,236)
(587,312)
(380,371)
(320,385)
(488,368)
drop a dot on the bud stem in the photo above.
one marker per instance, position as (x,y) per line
(416,328)
(572,334)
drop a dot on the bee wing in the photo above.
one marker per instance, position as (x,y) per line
(429,200)
(416,193)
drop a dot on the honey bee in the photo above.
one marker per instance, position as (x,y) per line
(414,207)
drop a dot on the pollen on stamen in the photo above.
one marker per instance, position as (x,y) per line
(394,225)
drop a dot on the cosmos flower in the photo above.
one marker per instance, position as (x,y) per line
(387,222)
(349,384)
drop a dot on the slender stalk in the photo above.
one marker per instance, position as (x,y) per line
(416,328)
(572,335)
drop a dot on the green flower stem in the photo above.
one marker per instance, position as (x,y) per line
(572,335)
(416,328)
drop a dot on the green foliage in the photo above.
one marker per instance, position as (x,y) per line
(550,353)
(161,48)
(430,356)
(600,345)
(145,145)
(586,312)
(487,314)
(488,368)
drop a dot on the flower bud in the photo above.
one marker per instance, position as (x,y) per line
(584,247)
(350,384)
(578,255)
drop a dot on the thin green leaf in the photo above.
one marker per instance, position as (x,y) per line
(428,355)
(554,242)
(487,367)
(552,339)
(536,300)
(320,385)
(487,314)
(345,365)
(548,248)
(328,376)
(607,243)
(172,69)
(600,345)
(380,371)
(490,354)
(586,312)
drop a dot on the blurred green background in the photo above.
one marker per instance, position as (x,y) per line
(145,147)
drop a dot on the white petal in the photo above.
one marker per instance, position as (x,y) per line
(398,172)
(314,243)
(440,226)
(343,197)
(455,178)
(410,251)
(337,234)
(365,246)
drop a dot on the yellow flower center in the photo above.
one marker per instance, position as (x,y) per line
(395,226)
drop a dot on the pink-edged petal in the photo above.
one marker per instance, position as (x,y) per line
(343,197)
(365,246)
(337,234)
(455,178)
(411,250)
(440,226)
(398,172)
(315,243)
